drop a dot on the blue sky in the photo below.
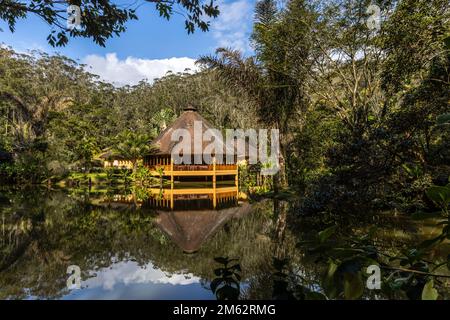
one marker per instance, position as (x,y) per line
(149,48)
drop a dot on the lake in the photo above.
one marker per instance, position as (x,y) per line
(80,244)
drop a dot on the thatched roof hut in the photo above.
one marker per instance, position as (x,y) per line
(112,159)
(109,154)
(185,121)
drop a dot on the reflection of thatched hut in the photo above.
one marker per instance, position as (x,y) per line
(162,163)
(189,229)
(113,160)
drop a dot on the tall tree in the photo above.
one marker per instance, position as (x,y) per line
(274,78)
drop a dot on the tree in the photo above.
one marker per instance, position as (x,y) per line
(101,20)
(274,78)
(85,150)
(133,146)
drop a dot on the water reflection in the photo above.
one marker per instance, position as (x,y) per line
(130,247)
(190,229)
(129,280)
(124,248)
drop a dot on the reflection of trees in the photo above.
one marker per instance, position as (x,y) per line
(70,233)
(76,232)
(42,233)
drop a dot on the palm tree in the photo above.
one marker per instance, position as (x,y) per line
(273,79)
(133,146)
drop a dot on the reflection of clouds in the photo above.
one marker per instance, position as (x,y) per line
(131,273)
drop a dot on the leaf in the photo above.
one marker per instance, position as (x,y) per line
(214,284)
(235,267)
(420,215)
(353,286)
(430,242)
(221,260)
(439,195)
(227,293)
(332,267)
(329,283)
(428,292)
(443,119)
(312,295)
(447,42)
(325,234)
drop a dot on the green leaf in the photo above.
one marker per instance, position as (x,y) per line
(428,292)
(221,260)
(447,42)
(431,242)
(329,283)
(325,234)
(353,286)
(214,284)
(332,267)
(443,119)
(439,195)
(420,215)
(312,295)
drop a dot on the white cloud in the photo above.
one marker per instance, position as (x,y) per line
(129,273)
(232,27)
(132,70)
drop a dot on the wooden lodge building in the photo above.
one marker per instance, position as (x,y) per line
(215,183)
(111,160)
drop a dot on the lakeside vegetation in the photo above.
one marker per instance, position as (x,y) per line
(363,117)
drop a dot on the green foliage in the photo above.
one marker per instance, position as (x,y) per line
(429,293)
(227,284)
(133,146)
(443,119)
(101,20)
(408,272)
(142,177)
(440,196)
(52,105)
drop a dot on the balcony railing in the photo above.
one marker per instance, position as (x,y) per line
(194,167)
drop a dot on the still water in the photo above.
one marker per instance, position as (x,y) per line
(128,249)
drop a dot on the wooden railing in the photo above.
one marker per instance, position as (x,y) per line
(194,167)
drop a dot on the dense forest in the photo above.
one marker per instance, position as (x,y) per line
(363,114)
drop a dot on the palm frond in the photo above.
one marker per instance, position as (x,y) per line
(236,71)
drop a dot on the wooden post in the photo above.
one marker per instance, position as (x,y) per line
(236,182)
(171,183)
(214,183)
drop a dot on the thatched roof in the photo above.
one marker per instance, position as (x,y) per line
(109,154)
(190,229)
(186,121)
